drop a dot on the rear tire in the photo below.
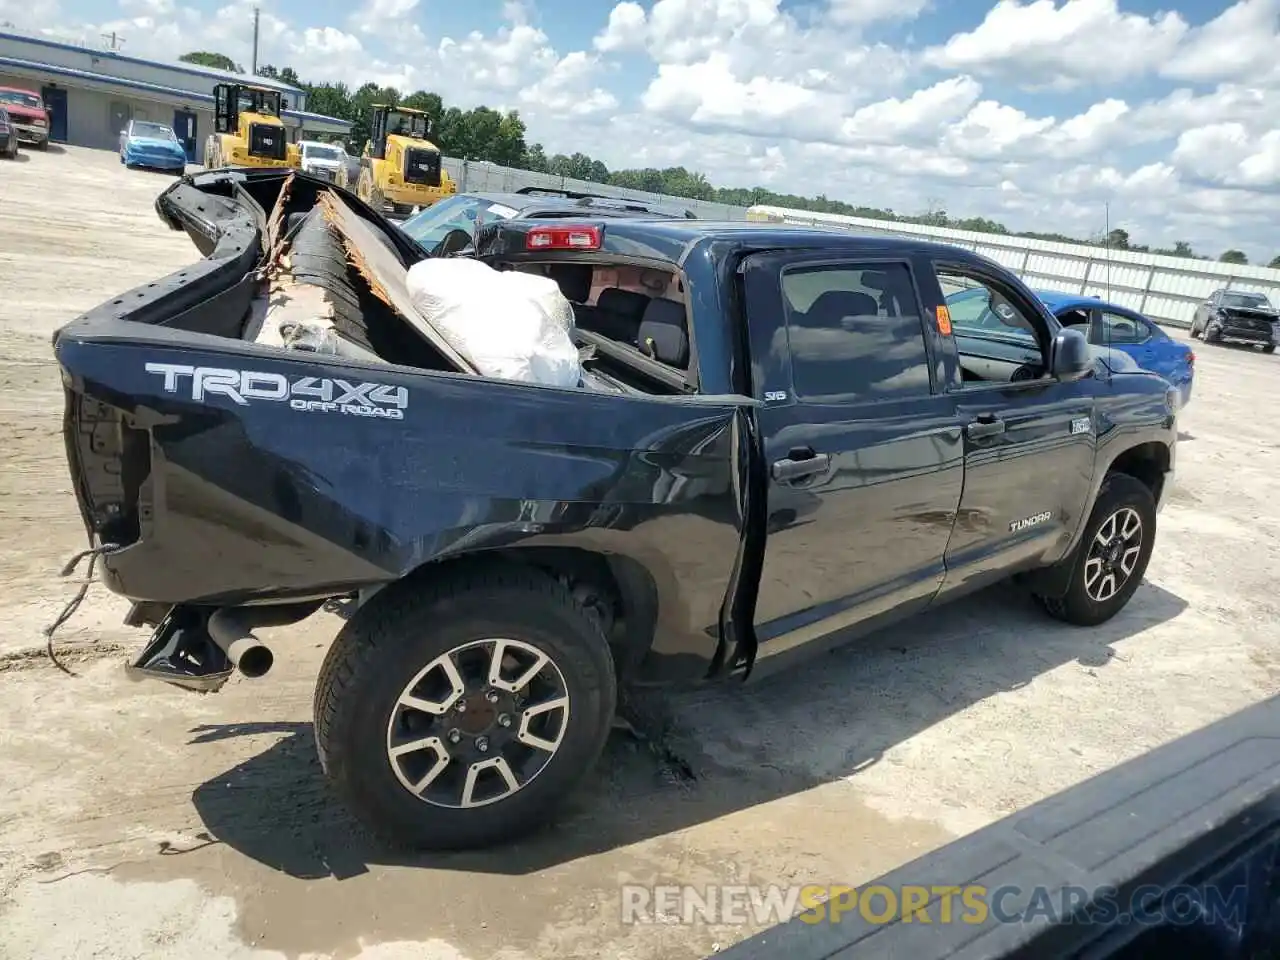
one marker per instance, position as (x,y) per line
(1269,348)
(1106,552)
(401,645)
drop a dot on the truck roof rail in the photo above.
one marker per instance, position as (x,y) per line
(587,199)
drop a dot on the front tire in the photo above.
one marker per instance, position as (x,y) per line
(1111,557)
(462,712)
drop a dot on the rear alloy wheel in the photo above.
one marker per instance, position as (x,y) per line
(478,723)
(1112,557)
(462,712)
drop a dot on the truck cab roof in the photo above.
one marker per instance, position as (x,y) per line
(673,240)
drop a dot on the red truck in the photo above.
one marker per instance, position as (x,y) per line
(27,114)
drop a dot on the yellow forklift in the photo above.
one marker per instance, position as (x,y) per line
(399,164)
(248,129)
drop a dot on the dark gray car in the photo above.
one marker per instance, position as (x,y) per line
(1238,315)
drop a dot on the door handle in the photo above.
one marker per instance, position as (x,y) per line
(799,463)
(986,425)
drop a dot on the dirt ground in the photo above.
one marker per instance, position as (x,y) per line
(137,820)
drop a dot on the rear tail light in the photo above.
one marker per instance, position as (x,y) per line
(563,238)
(1191,358)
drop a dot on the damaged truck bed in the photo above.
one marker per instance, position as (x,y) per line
(778,442)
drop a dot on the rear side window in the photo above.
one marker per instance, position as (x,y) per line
(1117,328)
(855,332)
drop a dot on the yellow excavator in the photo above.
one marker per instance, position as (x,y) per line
(399,164)
(248,129)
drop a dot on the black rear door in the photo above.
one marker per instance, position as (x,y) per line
(861,441)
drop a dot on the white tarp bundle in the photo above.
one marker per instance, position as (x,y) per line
(512,326)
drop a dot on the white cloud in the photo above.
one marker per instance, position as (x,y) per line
(862,12)
(1226,153)
(625,29)
(1240,43)
(568,88)
(1043,44)
(919,115)
(800,98)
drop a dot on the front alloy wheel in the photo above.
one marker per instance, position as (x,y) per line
(478,723)
(1113,554)
(1108,564)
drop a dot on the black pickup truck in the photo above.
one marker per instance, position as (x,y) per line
(778,443)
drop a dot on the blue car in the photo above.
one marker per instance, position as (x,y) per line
(147,144)
(1110,327)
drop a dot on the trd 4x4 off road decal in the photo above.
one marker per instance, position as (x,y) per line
(311,394)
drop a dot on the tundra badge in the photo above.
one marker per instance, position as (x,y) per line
(1081,425)
(1017,525)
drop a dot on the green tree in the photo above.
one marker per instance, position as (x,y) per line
(1275,263)
(1118,239)
(535,159)
(219,61)
(428,103)
(1233,256)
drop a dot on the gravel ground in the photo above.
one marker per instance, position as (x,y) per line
(141,821)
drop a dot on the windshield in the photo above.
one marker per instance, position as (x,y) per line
(20,99)
(1254,300)
(321,153)
(153,131)
(457,213)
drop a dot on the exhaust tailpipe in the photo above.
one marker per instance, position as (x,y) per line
(231,628)
(231,631)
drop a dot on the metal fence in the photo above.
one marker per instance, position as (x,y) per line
(1167,289)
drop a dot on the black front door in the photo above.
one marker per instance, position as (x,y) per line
(863,449)
(1029,439)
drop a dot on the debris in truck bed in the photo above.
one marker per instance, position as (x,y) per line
(383,270)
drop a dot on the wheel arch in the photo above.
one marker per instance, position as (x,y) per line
(1146,462)
(621,591)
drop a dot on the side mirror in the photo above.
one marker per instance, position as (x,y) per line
(1071,357)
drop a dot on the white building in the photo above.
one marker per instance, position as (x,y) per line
(92,94)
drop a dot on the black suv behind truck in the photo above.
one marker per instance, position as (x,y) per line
(778,444)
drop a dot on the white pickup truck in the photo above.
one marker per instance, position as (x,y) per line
(321,159)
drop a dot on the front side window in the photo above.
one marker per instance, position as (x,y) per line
(855,332)
(996,332)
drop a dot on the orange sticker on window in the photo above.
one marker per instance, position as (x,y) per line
(944,321)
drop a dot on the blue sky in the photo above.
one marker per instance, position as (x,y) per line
(1033,112)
